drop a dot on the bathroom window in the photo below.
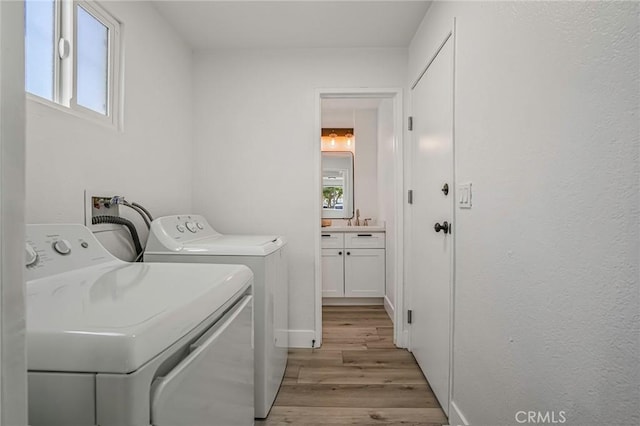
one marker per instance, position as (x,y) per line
(72,57)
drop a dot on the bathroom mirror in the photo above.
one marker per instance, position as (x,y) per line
(337,185)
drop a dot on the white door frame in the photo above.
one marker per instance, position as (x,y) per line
(395,94)
(13,362)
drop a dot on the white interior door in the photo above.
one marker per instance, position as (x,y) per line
(431,251)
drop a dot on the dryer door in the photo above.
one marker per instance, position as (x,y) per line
(213,385)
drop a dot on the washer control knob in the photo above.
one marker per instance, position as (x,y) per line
(191,226)
(31,257)
(180,228)
(62,246)
(199,225)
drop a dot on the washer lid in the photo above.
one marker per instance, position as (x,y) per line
(113,319)
(192,234)
(234,245)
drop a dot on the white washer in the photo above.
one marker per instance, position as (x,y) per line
(189,238)
(112,343)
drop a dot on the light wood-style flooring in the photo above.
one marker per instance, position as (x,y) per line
(357,377)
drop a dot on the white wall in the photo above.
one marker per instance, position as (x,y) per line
(255,115)
(387,193)
(366,163)
(364,121)
(13,359)
(547,128)
(338,118)
(149,162)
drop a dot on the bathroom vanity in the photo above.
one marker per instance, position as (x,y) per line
(353,262)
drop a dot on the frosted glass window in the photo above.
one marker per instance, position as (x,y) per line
(93,62)
(40,47)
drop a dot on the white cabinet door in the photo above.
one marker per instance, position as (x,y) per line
(364,274)
(332,273)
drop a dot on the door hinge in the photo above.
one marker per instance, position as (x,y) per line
(410,196)
(410,123)
(409,316)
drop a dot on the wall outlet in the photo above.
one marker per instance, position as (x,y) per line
(96,204)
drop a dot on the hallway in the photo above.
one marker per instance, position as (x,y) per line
(357,377)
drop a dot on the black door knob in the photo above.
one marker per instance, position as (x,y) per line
(444,227)
(339,253)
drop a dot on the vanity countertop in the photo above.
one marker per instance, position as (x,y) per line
(370,228)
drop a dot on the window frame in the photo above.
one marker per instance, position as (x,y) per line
(65,68)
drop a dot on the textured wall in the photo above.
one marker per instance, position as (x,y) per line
(547,128)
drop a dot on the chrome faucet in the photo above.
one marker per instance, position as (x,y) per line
(357,217)
(366,221)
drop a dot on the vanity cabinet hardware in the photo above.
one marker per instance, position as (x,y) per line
(365,235)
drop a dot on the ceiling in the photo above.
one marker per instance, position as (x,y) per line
(213,24)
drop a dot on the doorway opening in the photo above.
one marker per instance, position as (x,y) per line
(357,264)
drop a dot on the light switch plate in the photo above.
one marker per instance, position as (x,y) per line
(464,195)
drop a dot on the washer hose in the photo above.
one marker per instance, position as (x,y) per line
(144,210)
(142,214)
(96,220)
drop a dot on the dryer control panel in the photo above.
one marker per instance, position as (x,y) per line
(188,226)
(183,228)
(57,248)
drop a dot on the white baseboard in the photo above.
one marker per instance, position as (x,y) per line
(351,301)
(456,418)
(301,338)
(389,308)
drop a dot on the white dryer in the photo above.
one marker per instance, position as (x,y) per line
(112,343)
(189,238)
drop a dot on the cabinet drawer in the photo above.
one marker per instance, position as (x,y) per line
(364,240)
(332,240)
